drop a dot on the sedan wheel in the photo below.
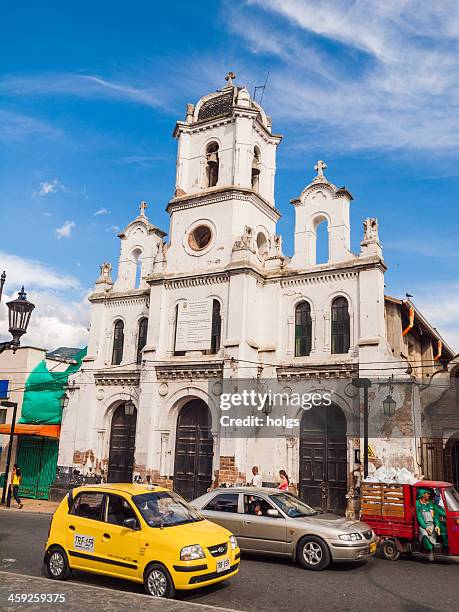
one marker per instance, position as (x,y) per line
(158,582)
(313,553)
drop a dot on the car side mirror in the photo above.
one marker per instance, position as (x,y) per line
(130,523)
(272,513)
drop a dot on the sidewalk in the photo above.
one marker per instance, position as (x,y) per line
(41,506)
(74,596)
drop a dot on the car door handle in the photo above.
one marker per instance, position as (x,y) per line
(247,522)
(72,527)
(106,536)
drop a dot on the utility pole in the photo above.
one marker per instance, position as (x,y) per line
(365,384)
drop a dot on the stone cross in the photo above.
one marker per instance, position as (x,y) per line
(229,77)
(143,206)
(320,167)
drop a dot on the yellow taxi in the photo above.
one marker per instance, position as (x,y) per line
(142,533)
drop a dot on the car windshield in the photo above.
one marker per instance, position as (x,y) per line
(292,506)
(452,499)
(164,509)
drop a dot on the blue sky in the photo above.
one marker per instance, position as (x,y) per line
(90,92)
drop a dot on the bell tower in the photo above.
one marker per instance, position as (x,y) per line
(226,140)
(224,190)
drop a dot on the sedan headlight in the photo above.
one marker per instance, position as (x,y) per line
(350,536)
(233,541)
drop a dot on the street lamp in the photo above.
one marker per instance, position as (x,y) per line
(64,401)
(129,408)
(389,402)
(19,312)
(389,405)
(267,407)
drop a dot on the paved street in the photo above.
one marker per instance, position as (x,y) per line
(262,584)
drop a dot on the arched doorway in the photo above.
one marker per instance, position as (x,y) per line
(122,443)
(193,450)
(323,458)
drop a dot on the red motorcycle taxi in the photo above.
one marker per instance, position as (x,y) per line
(390,510)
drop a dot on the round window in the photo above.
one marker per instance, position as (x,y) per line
(200,237)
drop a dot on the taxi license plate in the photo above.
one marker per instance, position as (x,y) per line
(372,547)
(222,565)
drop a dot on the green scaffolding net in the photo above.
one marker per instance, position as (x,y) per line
(43,391)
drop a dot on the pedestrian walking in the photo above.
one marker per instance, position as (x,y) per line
(13,489)
(284,480)
(256,480)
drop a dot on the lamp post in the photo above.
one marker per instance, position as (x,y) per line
(13,405)
(19,313)
(364,383)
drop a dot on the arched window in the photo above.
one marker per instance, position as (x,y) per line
(340,326)
(256,169)
(118,342)
(216,328)
(322,245)
(212,164)
(137,259)
(303,329)
(141,338)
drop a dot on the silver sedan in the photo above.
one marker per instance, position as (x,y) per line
(274,522)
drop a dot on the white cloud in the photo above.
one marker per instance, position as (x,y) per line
(33,273)
(102,211)
(440,304)
(61,314)
(17,126)
(83,86)
(47,187)
(113,228)
(54,322)
(65,230)
(359,75)
(141,160)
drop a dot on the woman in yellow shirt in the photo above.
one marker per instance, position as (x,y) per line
(15,481)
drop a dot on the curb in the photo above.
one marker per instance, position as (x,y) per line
(169,604)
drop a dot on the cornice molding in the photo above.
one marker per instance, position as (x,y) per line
(116,299)
(300,372)
(220,195)
(184,371)
(120,378)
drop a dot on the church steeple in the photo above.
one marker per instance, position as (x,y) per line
(226,141)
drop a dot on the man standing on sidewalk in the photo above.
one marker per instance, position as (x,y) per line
(257,480)
(13,489)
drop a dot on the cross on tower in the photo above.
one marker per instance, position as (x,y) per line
(229,77)
(320,167)
(143,206)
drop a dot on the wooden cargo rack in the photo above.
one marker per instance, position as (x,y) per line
(381,499)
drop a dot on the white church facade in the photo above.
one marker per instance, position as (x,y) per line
(216,301)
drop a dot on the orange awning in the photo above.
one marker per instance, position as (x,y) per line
(26,429)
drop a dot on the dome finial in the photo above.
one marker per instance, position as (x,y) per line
(229,78)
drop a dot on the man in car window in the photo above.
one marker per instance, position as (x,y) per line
(255,506)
